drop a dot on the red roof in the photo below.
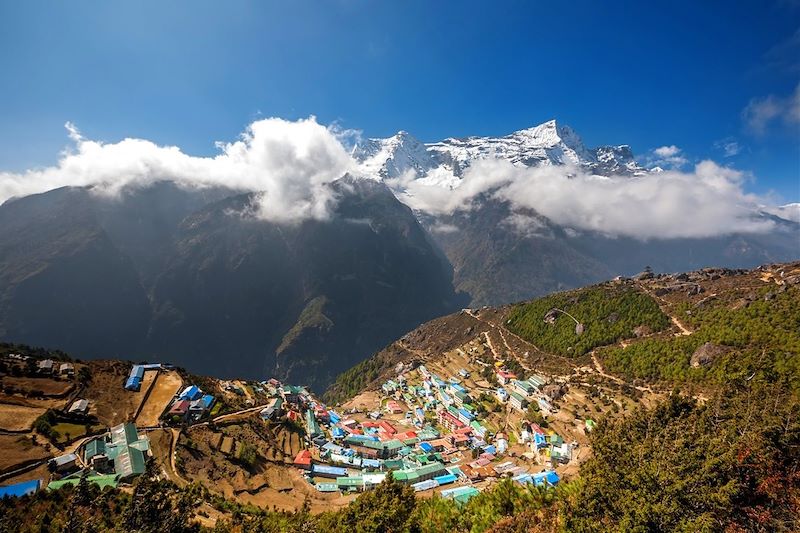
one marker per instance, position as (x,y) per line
(387,427)
(405,436)
(303,458)
(180,407)
(465,430)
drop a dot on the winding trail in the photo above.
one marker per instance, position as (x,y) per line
(513,354)
(664,306)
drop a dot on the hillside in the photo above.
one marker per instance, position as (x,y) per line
(696,372)
(186,275)
(646,328)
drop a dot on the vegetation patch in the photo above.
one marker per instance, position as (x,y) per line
(606,314)
(763,339)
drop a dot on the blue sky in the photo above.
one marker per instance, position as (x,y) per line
(698,75)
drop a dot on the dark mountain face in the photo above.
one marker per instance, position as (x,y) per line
(63,281)
(182,275)
(502,256)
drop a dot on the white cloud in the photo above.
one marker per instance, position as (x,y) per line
(761,113)
(705,202)
(729,146)
(288,163)
(787,212)
(667,151)
(667,156)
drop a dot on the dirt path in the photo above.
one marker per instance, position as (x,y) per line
(173,452)
(664,306)
(502,330)
(408,348)
(238,413)
(683,329)
(598,368)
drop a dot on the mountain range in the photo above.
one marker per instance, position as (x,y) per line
(186,275)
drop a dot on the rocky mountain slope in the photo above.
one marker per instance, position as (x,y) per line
(501,253)
(185,275)
(651,330)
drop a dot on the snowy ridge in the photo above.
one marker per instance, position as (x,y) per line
(443,163)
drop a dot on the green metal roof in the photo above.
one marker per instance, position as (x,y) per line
(430,468)
(350,481)
(124,434)
(94,447)
(464,497)
(393,464)
(518,397)
(400,475)
(129,462)
(108,480)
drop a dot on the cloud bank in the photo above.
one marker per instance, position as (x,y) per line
(705,202)
(288,163)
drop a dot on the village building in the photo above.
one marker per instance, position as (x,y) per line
(328,471)
(66,370)
(501,394)
(448,420)
(134,381)
(303,460)
(394,407)
(517,401)
(504,377)
(64,463)
(45,366)
(312,426)
(18,490)
(179,408)
(191,392)
(79,407)
(127,450)
(273,409)
(523,387)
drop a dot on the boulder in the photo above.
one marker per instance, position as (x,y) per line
(706,354)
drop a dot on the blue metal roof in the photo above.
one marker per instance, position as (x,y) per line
(445,479)
(192,392)
(426,447)
(133,383)
(329,470)
(207,401)
(137,371)
(22,488)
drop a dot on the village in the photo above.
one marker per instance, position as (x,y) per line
(433,432)
(452,433)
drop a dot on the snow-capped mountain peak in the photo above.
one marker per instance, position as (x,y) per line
(444,162)
(393,156)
